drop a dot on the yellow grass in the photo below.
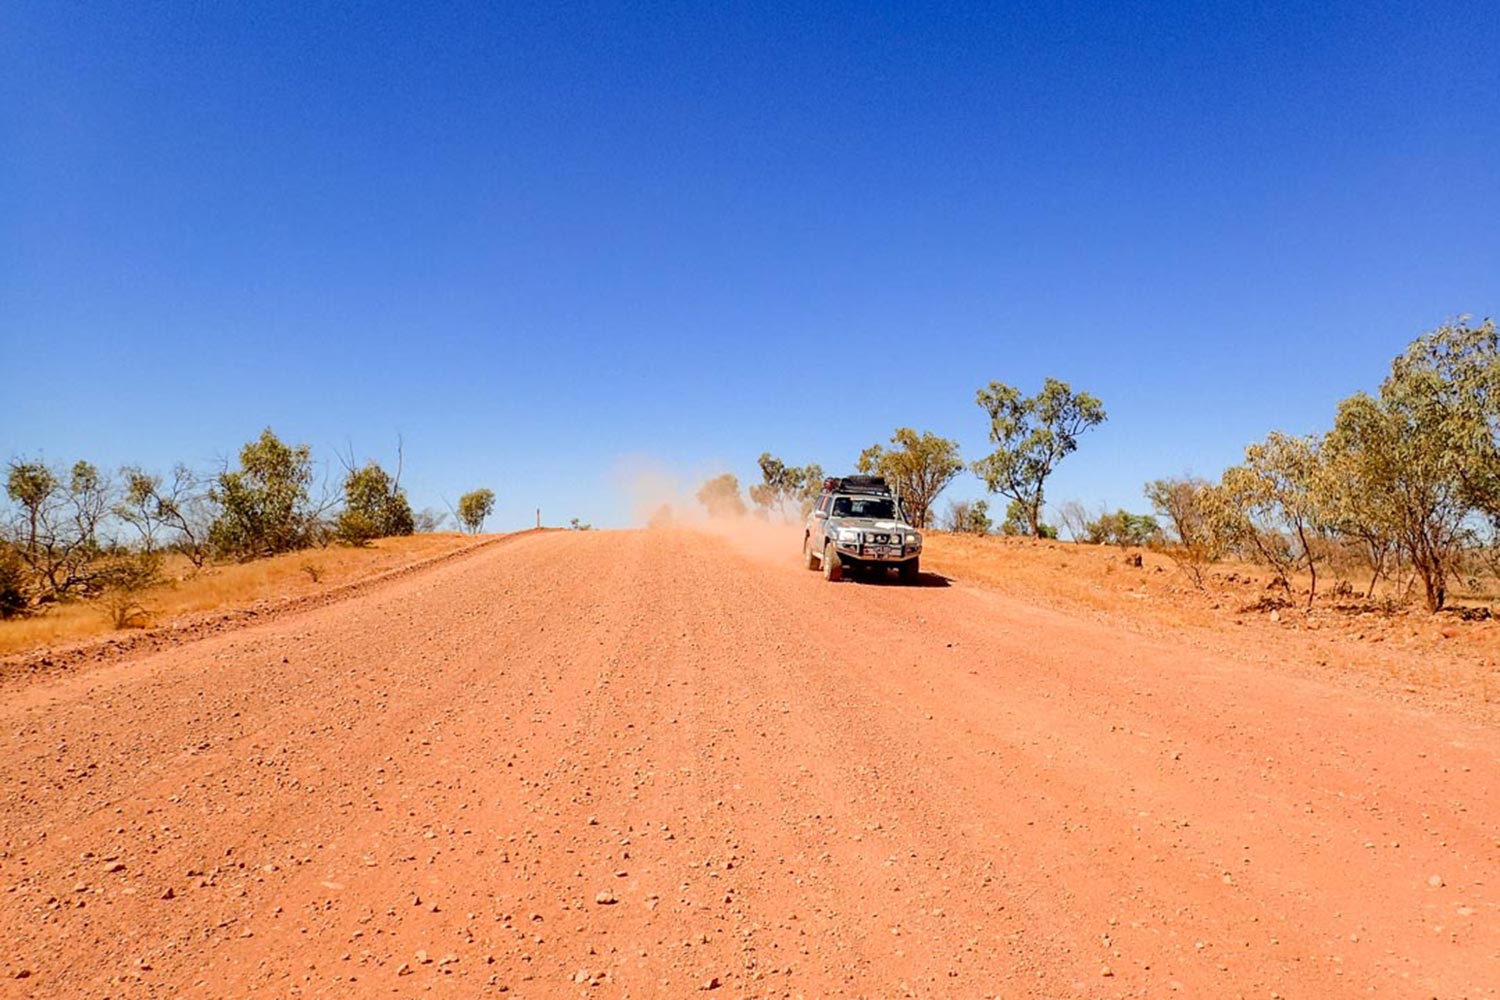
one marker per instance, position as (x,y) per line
(1404,642)
(227,586)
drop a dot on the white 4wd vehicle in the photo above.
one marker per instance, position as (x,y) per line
(858,524)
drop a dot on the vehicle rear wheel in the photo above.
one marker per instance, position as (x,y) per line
(833,567)
(910,570)
(809,557)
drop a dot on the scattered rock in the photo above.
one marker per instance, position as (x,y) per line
(403,969)
(606,898)
(712,983)
(1436,881)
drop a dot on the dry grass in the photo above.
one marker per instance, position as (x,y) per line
(1234,611)
(228,586)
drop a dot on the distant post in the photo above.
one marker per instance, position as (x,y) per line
(539,517)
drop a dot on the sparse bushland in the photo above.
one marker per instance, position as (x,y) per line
(474,507)
(76,534)
(918,467)
(1401,486)
(1032,434)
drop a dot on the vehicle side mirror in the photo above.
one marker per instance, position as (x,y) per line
(821,515)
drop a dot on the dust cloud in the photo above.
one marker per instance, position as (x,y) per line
(662,499)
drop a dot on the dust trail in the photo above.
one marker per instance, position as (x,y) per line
(662,498)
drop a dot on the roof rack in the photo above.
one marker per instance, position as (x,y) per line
(856,484)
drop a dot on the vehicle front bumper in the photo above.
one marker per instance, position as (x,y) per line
(872,553)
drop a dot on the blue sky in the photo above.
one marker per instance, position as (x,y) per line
(550,245)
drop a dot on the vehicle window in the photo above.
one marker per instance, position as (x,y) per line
(880,508)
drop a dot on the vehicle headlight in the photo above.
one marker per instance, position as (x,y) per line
(913,539)
(848,535)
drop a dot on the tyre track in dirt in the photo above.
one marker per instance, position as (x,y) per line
(649,764)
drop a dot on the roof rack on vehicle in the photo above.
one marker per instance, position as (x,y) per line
(856,484)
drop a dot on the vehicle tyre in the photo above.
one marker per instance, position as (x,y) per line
(809,557)
(910,570)
(833,567)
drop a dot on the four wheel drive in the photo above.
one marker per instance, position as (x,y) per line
(858,524)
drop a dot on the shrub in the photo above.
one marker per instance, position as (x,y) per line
(474,507)
(13,584)
(126,577)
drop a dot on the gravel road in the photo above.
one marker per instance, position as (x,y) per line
(652,764)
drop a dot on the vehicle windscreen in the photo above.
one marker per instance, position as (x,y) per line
(878,508)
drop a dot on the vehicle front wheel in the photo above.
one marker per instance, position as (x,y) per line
(809,557)
(910,570)
(833,566)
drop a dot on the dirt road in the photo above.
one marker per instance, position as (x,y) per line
(650,764)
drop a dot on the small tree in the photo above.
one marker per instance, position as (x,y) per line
(375,506)
(176,514)
(1074,519)
(55,529)
(1184,503)
(1398,477)
(1122,528)
(1448,380)
(783,485)
(1032,435)
(919,468)
(1017,523)
(1275,505)
(126,576)
(264,506)
(720,496)
(474,507)
(968,517)
(14,585)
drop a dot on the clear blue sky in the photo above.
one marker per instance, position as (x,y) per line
(547,242)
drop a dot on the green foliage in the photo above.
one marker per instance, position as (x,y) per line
(720,496)
(1187,504)
(1392,474)
(1273,504)
(474,507)
(918,468)
(54,529)
(1018,522)
(1448,382)
(125,577)
(14,584)
(375,506)
(968,517)
(1032,434)
(578,524)
(264,508)
(784,486)
(1122,528)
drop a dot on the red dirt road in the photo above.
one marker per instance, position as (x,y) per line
(646,764)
